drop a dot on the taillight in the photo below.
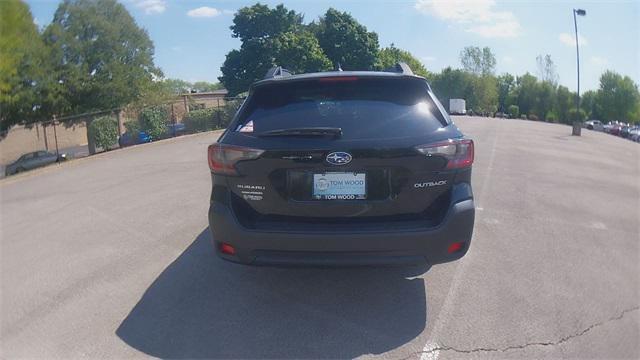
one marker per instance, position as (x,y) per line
(223,158)
(458,152)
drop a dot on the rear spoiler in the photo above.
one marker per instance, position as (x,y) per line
(280,72)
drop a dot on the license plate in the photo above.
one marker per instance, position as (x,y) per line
(340,186)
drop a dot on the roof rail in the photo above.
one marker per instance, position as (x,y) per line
(277,71)
(400,67)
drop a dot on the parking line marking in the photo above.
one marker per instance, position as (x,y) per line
(429,352)
(447,305)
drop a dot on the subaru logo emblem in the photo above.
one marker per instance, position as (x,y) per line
(339,158)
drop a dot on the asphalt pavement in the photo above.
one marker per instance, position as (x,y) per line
(110,257)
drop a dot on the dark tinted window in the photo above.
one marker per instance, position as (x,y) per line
(28,156)
(363,108)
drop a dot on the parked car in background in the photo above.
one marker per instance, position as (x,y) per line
(33,160)
(613,128)
(594,125)
(128,139)
(174,130)
(624,131)
(634,134)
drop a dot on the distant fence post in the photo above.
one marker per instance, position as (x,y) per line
(44,132)
(55,137)
(91,143)
(120,122)
(186,105)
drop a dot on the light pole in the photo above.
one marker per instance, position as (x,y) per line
(580,12)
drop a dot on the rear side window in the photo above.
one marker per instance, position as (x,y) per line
(363,108)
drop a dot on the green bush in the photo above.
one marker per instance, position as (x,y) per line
(104,131)
(229,111)
(533,117)
(154,120)
(200,120)
(551,117)
(212,118)
(514,111)
(132,126)
(575,115)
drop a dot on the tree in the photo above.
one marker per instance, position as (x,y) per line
(506,83)
(257,27)
(391,55)
(588,104)
(22,68)
(563,103)
(526,93)
(176,86)
(483,95)
(204,86)
(547,69)
(478,61)
(259,22)
(617,97)
(300,52)
(345,41)
(545,94)
(243,67)
(102,58)
(451,84)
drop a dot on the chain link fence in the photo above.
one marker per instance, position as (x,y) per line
(77,136)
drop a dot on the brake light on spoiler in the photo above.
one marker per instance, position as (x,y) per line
(337,79)
(223,158)
(458,152)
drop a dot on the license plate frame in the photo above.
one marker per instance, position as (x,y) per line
(339,185)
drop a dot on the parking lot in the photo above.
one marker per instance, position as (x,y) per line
(110,257)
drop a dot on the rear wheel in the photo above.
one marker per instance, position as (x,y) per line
(590,127)
(19,170)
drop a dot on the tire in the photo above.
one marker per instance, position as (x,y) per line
(590,127)
(19,170)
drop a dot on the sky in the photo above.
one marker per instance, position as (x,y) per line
(192,37)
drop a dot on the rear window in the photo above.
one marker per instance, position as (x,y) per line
(363,108)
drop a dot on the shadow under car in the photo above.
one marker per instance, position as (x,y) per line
(203,307)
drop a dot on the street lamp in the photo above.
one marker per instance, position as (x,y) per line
(579,12)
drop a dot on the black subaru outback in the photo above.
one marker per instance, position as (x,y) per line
(341,168)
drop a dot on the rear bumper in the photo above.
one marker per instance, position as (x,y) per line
(392,247)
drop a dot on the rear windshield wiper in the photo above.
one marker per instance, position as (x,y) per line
(307,131)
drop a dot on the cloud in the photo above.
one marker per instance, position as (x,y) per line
(151,6)
(570,39)
(204,12)
(477,16)
(599,61)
